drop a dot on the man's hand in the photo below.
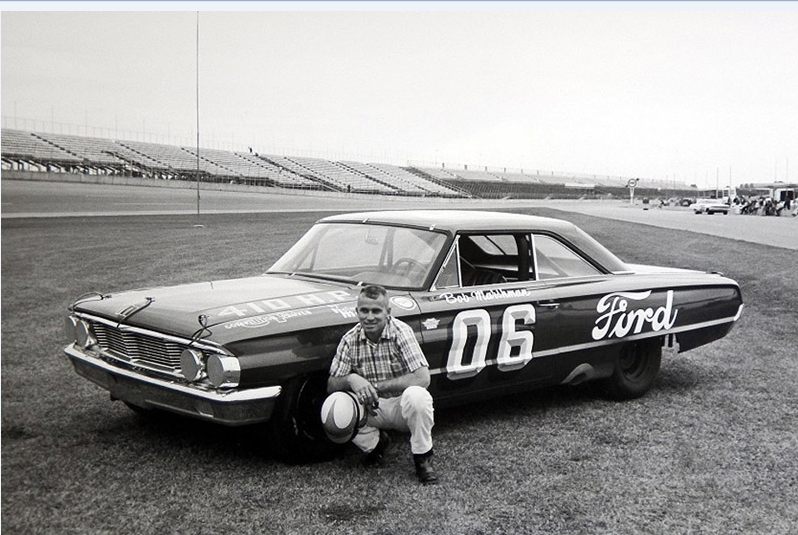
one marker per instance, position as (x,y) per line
(363,389)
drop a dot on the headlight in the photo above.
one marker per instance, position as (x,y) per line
(223,371)
(83,335)
(192,365)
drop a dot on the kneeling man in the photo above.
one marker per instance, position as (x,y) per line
(381,362)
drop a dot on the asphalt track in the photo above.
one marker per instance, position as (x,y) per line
(23,199)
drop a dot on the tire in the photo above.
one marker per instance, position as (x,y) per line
(294,434)
(636,369)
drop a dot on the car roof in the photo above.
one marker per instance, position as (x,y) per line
(456,220)
(464,221)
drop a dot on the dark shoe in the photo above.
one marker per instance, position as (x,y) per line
(426,475)
(376,457)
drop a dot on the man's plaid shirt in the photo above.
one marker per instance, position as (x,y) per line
(396,353)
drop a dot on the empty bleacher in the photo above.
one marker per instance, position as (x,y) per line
(259,167)
(47,152)
(473,174)
(438,173)
(405,176)
(98,152)
(28,147)
(383,176)
(176,159)
(337,176)
(517,177)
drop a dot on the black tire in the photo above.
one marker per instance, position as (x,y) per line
(635,370)
(294,434)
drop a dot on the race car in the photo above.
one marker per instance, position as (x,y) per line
(499,302)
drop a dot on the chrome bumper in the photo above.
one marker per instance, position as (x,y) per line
(232,407)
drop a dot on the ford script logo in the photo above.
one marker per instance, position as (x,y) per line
(617,319)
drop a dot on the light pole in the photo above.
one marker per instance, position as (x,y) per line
(198,224)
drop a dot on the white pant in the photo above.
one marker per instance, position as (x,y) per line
(412,411)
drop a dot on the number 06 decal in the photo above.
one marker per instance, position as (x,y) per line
(456,367)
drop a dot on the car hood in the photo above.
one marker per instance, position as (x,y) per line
(178,310)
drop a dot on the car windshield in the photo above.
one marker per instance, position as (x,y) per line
(397,257)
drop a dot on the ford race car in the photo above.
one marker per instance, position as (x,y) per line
(499,302)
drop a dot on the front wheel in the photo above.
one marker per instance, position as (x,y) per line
(635,370)
(294,433)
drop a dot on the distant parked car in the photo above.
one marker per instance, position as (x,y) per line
(710,206)
(500,303)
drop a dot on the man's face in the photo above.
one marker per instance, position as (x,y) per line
(373,315)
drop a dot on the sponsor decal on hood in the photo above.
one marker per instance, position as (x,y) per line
(265,307)
(266,319)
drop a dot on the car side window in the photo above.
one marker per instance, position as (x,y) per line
(449,276)
(493,258)
(553,259)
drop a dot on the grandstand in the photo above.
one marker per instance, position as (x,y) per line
(42,152)
(31,149)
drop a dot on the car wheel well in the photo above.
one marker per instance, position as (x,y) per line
(294,434)
(635,370)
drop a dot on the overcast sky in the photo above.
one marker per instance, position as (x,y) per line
(684,92)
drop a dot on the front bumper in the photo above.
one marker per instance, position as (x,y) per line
(228,407)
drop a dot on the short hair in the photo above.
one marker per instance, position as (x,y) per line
(374,291)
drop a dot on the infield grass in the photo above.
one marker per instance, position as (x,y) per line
(711,449)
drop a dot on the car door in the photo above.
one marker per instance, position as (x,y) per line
(574,286)
(480,322)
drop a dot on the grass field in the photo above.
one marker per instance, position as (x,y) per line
(712,449)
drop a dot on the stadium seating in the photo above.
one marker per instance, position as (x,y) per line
(176,158)
(337,176)
(414,181)
(27,146)
(469,174)
(48,152)
(261,166)
(518,177)
(410,187)
(96,151)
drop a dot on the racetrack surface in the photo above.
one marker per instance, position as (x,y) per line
(59,199)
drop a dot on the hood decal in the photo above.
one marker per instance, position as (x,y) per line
(266,319)
(265,308)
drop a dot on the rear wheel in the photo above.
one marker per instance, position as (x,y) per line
(635,370)
(294,433)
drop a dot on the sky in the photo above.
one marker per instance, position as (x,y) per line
(702,93)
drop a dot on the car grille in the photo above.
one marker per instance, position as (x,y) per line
(139,349)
